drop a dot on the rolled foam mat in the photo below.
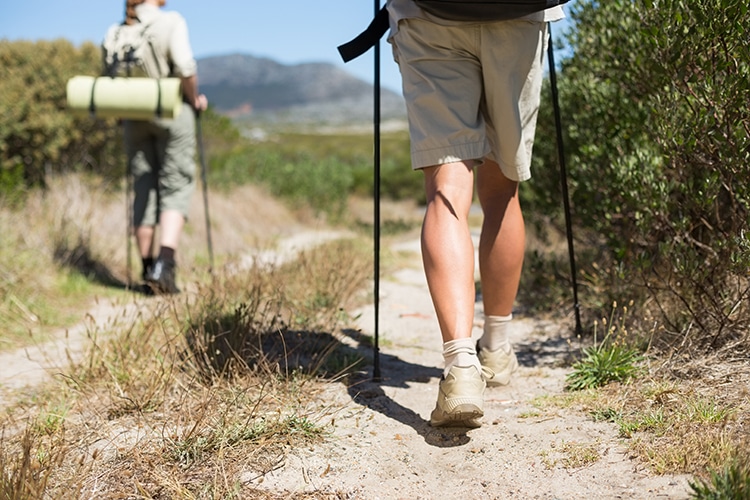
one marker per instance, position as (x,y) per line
(132,98)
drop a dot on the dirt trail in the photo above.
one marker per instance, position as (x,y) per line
(23,369)
(383,446)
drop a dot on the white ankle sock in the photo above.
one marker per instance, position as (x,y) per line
(460,352)
(495,334)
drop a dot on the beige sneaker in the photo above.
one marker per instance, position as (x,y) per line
(501,362)
(460,401)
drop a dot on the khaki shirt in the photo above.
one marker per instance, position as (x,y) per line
(169,34)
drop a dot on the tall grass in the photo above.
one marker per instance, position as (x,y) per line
(68,244)
(47,246)
(197,390)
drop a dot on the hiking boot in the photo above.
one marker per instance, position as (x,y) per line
(460,399)
(161,277)
(148,265)
(503,363)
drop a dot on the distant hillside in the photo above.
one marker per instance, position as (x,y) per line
(245,87)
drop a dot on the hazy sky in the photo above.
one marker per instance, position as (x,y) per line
(287,31)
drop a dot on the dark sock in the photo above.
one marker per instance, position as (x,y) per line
(166,254)
(148,263)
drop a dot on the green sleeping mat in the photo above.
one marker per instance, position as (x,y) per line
(130,98)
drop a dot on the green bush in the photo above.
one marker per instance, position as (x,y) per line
(657,134)
(38,135)
(320,171)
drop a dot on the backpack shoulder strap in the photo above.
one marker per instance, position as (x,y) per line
(132,35)
(147,38)
(367,39)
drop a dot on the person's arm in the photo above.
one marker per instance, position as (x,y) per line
(199,102)
(185,66)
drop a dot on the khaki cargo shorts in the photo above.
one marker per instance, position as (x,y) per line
(161,156)
(472,91)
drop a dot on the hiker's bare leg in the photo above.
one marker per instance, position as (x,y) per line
(502,241)
(447,248)
(144,236)
(171,223)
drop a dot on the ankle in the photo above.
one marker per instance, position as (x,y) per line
(495,334)
(460,352)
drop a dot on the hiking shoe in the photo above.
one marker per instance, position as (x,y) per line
(503,364)
(148,265)
(460,399)
(161,277)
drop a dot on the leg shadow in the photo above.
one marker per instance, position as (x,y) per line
(397,373)
(78,257)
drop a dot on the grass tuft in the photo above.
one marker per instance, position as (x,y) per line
(730,483)
(611,360)
(603,364)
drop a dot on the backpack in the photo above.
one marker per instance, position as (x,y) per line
(132,85)
(454,10)
(128,50)
(485,10)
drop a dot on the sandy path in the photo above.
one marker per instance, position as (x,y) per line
(21,370)
(384,447)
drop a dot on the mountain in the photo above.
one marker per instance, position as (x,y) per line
(248,88)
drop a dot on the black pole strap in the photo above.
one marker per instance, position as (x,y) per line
(368,38)
(563,177)
(92,102)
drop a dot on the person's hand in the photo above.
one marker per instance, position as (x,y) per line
(201,103)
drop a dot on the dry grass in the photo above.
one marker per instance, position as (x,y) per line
(201,393)
(197,398)
(673,425)
(681,413)
(69,244)
(571,455)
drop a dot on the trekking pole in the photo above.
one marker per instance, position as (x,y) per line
(563,178)
(129,229)
(351,50)
(376,207)
(205,190)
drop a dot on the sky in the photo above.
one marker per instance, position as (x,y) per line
(287,31)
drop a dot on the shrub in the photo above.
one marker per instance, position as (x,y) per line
(658,140)
(38,135)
